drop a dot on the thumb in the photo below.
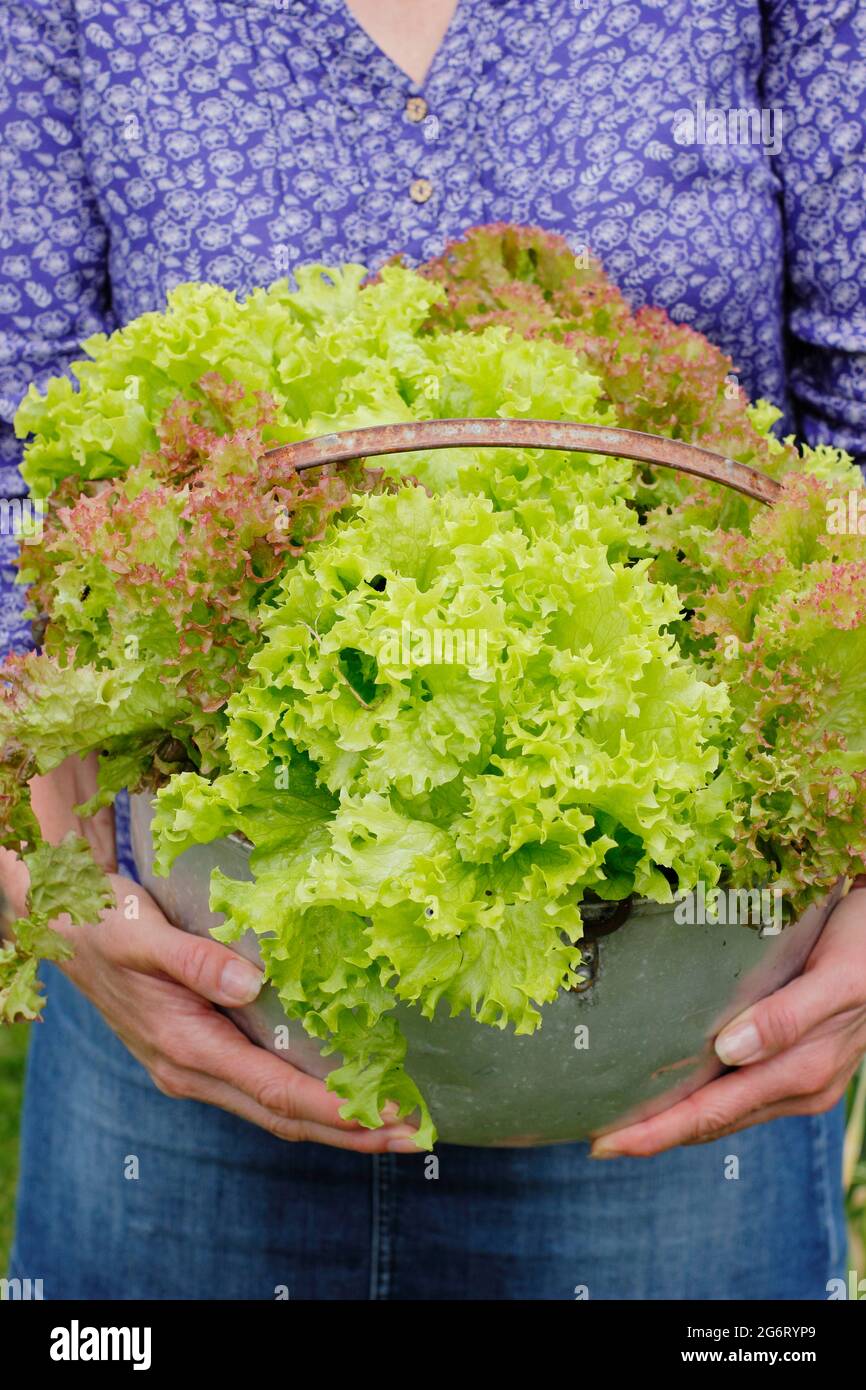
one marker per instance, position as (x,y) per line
(833,981)
(151,945)
(777,1022)
(212,970)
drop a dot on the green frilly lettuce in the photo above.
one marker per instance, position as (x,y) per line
(500,721)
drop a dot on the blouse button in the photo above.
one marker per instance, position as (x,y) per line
(420,190)
(416,109)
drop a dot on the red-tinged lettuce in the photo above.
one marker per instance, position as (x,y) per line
(658,376)
(782,618)
(149,586)
(166,564)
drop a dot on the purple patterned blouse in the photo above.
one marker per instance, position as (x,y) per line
(711,152)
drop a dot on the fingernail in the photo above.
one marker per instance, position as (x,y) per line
(739,1044)
(602,1150)
(240,982)
(390,1112)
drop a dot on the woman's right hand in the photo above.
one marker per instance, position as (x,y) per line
(157,988)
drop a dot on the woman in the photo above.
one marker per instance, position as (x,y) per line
(151,143)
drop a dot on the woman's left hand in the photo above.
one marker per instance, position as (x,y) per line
(795,1051)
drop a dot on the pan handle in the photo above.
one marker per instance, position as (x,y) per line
(415,435)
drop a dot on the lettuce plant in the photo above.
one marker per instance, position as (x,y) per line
(443,709)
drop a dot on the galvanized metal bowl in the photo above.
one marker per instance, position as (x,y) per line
(635,1039)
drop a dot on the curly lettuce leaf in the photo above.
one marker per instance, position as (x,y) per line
(64,880)
(304,350)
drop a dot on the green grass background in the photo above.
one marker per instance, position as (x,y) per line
(13,1046)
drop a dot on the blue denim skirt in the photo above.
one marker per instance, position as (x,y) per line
(128,1194)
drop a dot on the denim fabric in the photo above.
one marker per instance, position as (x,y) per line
(219,1209)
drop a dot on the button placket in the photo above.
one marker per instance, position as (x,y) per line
(417,111)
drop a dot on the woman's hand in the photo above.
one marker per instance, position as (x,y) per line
(795,1051)
(156,987)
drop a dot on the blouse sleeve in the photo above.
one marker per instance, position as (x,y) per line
(815,74)
(53,243)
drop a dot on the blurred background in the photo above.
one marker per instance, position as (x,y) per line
(855,1172)
(13,1048)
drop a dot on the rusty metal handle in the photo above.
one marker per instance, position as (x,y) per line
(415,435)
